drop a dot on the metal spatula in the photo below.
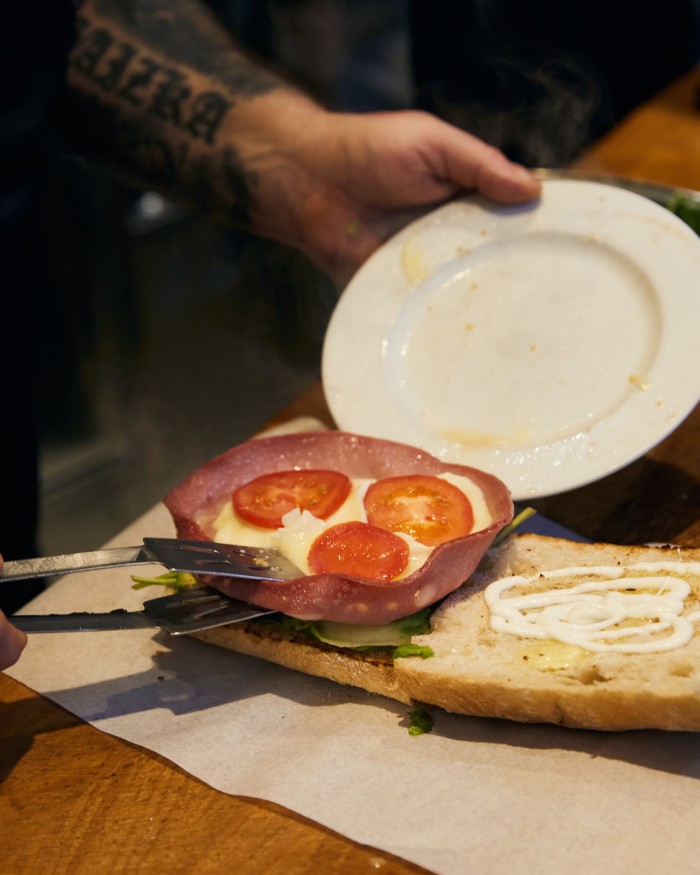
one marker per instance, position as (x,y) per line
(194,557)
(188,611)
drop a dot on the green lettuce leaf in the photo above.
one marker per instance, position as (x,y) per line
(407,650)
(420,722)
(177,580)
(686,209)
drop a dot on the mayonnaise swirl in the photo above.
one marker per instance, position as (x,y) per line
(633,609)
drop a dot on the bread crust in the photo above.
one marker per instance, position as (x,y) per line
(478,672)
(369,671)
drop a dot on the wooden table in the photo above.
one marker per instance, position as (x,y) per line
(73,799)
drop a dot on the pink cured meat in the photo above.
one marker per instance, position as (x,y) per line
(195,502)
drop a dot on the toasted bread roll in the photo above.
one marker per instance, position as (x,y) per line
(480,671)
(371,671)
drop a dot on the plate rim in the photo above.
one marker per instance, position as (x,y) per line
(629,209)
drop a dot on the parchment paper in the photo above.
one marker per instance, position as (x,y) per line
(473,795)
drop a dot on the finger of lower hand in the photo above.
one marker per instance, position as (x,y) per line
(12,643)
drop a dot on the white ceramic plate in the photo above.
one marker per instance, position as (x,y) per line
(550,343)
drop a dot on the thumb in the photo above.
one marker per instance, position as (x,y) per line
(12,642)
(472,164)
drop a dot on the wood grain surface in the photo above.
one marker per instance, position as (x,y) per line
(73,799)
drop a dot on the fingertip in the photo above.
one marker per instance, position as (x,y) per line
(511,183)
(526,181)
(12,643)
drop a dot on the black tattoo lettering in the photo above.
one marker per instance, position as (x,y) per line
(116,67)
(169,96)
(93,45)
(222,188)
(207,111)
(139,79)
(141,54)
(162,91)
(188,32)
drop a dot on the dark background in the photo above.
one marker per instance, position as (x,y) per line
(163,339)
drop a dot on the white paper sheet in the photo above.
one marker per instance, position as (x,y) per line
(473,795)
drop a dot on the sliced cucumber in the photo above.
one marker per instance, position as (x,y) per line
(390,635)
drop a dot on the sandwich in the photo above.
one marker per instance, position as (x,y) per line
(531,629)
(593,636)
(638,666)
(378,529)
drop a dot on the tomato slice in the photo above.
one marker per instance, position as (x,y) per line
(427,508)
(265,500)
(359,550)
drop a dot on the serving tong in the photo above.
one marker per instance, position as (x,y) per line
(190,610)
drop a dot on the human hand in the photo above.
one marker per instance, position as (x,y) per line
(12,641)
(217,131)
(354,180)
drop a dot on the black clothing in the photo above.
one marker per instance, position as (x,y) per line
(34,43)
(542,79)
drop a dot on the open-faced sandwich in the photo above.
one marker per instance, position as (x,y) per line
(596,636)
(380,530)
(401,594)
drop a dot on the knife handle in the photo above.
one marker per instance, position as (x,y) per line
(111,557)
(193,557)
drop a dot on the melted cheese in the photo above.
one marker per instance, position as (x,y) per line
(554,656)
(635,609)
(301,528)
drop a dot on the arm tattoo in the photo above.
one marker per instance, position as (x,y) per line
(137,58)
(117,66)
(186,30)
(153,161)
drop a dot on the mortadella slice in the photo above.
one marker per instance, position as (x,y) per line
(195,503)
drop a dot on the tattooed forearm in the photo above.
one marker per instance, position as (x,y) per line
(152,160)
(186,30)
(152,85)
(116,66)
